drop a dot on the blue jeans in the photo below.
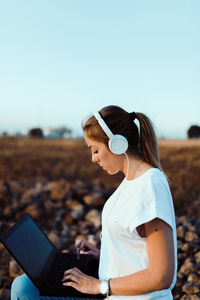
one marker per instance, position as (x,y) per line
(23,289)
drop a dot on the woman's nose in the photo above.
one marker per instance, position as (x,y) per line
(94,159)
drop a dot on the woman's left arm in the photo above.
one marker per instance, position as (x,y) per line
(158,275)
(160,271)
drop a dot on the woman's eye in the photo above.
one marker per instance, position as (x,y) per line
(95,152)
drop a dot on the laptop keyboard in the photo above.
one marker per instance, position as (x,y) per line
(61,264)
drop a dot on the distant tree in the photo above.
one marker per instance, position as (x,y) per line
(4,133)
(194,132)
(36,133)
(63,131)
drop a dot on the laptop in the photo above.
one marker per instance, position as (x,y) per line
(41,260)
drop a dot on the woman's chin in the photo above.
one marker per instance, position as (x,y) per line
(112,172)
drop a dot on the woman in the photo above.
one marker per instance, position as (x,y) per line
(138,246)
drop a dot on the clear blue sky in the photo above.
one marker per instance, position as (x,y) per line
(61,60)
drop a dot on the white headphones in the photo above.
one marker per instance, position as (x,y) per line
(117,143)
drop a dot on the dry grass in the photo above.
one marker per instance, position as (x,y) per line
(187,143)
(23,159)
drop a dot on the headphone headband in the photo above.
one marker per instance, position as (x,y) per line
(103,125)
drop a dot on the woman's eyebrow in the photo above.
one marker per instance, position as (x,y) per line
(91,146)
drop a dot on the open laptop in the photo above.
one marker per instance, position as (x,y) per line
(42,261)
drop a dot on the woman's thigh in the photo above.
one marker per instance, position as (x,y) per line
(23,289)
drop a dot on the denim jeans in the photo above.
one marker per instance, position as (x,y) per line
(23,289)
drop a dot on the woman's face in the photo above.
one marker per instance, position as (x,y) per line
(110,162)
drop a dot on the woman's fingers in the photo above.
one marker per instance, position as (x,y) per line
(72,274)
(85,247)
(80,281)
(73,271)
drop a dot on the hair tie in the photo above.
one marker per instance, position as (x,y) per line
(132,116)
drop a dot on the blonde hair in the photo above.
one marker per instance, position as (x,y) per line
(142,143)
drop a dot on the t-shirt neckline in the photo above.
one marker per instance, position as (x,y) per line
(141,176)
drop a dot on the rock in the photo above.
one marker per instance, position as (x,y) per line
(34,211)
(5,192)
(194,278)
(29,195)
(2,280)
(14,269)
(94,217)
(180,230)
(187,267)
(76,209)
(78,239)
(7,212)
(60,190)
(55,239)
(189,297)
(50,186)
(197,257)
(190,288)
(185,248)
(4,294)
(81,189)
(68,219)
(190,236)
(94,199)
(92,239)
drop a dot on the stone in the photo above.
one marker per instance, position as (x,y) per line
(194,278)
(34,211)
(94,218)
(78,239)
(190,288)
(95,199)
(92,239)
(76,209)
(60,190)
(190,236)
(54,238)
(50,186)
(2,280)
(187,267)
(185,248)
(14,268)
(189,297)
(4,294)
(180,230)
(197,257)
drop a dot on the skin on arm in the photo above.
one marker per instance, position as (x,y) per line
(159,274)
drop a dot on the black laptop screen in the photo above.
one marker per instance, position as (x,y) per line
(30,246)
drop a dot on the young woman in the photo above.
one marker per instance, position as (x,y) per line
(137,259)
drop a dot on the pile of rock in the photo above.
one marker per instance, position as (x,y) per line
(188,276)
(68,212)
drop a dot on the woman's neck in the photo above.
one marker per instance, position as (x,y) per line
(134,167)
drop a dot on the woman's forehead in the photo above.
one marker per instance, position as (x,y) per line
(91,142)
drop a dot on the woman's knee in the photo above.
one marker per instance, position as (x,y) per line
(22,288)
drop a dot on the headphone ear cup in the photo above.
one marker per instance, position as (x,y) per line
(118,144)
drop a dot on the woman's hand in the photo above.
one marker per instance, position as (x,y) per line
(81,282)
(86,248)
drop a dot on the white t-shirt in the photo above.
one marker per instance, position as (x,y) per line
(134,202)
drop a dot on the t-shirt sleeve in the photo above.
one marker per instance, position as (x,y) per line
(155,202)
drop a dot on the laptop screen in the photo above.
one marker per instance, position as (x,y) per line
(29,246)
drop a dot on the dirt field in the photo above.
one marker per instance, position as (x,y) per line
(25,159)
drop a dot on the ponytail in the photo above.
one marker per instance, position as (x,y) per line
(148,146)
